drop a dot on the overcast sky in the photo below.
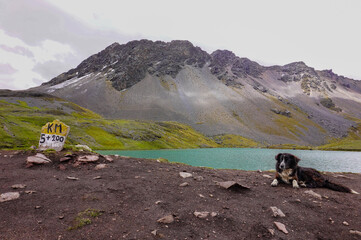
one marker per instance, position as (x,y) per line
(40,39)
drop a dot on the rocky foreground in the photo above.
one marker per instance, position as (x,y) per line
(88,196)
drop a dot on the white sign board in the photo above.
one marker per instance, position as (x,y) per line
(53,135)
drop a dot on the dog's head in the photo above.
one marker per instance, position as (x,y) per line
(286,161)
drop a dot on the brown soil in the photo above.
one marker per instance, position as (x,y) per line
(132,194)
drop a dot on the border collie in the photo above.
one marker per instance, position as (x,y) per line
(288,171)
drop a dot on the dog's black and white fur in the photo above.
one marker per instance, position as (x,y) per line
(288,171)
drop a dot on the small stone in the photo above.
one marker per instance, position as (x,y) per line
(166,219)
(184,184)
(40,222)
(97,177)
(154,233)
(185,174)
(214,214)
(88,158)
(272,231)
(9,196)
(281,227)
(100,166)
(64,159)
(277,212)
(72,178)
(108,158)
(313,194)
(345,223)
(39,158)
(201,195)
(331,220)
(158,202)
(201,214)
(198,178)
(61,217)
(37,207)
(16,186)
(30,192)
(266,176)
(355,232)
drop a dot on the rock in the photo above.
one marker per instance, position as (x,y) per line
(30,192)
(72,178)
(37,207)
(201,214)
(313,194)
(84,147)
(185,174)
(100,166)
(16,186)
(64,159)
(198,178)
(277,212)
(166,219)
(88,158)
(272,231)
(184,184)
(9,196)
(39,158)
(62,167)
(345,223)
(61,217)
(201,195)
(158,202)
(233,186)
(281,227)
(154,233)
(108,158)
(355,232)
(97,177)
(214,214)
(266,176)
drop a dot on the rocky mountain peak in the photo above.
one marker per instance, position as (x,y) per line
(127,64)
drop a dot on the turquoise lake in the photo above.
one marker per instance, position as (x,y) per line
(251,158)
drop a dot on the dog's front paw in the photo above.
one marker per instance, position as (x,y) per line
(274,182)
(295,184)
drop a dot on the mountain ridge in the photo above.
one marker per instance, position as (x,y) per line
(217,93)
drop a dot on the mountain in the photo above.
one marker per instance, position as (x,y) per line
(218,93)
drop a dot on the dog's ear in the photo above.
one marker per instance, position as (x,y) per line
(278,156)
(296,159)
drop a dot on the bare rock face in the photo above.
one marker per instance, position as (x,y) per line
(128,64)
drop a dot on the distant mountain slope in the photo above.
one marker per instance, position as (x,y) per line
(23,113)
(216,93)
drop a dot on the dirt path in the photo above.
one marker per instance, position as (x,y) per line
(125,200)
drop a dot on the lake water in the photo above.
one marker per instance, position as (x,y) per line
(251,158)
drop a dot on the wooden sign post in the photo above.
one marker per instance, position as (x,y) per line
(53,135)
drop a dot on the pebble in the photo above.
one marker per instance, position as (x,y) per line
(281,227)
(201,214)
(154,233)
(37,207)
(30,192)
(272,231)
(97,177)
(185,174)
(198,178)
(313,194)
(88,158)
(16,186)
(266,176)
(355,232)
(184,184)
(72,178)
(9,196)
(277,212)
(345,223)
(201,195)
(166,219)
(100,166)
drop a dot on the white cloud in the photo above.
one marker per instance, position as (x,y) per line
(24,75)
